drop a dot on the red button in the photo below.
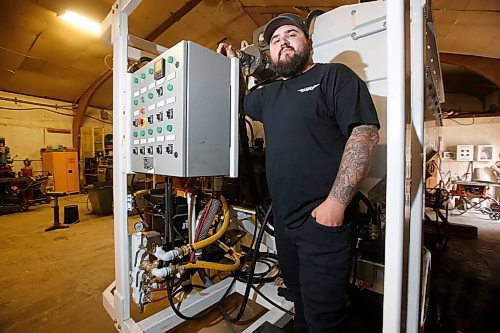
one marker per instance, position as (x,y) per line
(142,110)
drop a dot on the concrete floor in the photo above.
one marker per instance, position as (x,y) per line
(465,287)
(52,282)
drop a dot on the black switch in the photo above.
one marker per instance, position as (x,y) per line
(159,116)
(170,148)
(150,119)
(143,150)
(170,113)
(159,91)
(135,151)
(150,150)
(159,149)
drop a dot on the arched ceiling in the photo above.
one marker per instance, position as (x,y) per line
(42,55)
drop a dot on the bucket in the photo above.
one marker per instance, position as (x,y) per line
(71,214)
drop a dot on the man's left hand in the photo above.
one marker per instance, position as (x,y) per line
(330,213)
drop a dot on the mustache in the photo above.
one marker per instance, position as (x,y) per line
(284,48)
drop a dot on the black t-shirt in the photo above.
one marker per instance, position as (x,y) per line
(307,120)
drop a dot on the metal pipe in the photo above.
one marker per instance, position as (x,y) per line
(395,197)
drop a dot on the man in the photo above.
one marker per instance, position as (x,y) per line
(321,131)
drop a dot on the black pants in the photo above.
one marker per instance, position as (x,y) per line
(315,263)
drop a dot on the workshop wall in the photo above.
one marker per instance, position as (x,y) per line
(463,131)
(29,127)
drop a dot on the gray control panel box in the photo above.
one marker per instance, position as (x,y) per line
(180,104)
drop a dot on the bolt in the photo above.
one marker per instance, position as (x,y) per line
(353,35)
(353,12)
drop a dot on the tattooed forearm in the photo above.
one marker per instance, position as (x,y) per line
(355,164)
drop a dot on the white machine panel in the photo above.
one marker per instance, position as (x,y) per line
(181,113)
(355,35)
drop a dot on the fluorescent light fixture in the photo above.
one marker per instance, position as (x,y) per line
(81,21)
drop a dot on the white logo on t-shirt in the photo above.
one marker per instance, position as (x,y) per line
(308,88)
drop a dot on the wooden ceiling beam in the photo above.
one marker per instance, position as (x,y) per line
(172,20)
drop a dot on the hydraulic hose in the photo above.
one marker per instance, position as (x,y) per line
(252,268)
(218,234)
(215,265)
(185,250)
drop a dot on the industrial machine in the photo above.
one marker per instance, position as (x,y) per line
(177,114)
(19,190)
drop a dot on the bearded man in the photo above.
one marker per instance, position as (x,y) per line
(321,130)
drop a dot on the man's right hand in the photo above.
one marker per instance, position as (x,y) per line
(226,49)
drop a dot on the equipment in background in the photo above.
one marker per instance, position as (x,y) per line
(27,170)
(18,193)
(57,224)
(63,166)
(5,161)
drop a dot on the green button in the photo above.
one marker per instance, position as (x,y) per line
(159,129)
(170,87)
(136,134)
(136,102)
(142,99)
(150,95)
(143,75)
(151,71)
(170,59)
(143,133)
(170,128)
(150,131)
(136,80)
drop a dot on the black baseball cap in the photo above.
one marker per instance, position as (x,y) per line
(282,19)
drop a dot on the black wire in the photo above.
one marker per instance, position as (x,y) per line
(271,301)
(262,257)
(252,268)
(198,315)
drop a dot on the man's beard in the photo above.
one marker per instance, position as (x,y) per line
(291,66)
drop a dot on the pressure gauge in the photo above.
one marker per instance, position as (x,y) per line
(139,226)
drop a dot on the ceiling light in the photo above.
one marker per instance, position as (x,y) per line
(81,21)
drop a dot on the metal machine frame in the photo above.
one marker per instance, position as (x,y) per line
(116,298)
(404,152)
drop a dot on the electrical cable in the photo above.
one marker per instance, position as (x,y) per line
(252,268)
(177,311)
(261,294)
